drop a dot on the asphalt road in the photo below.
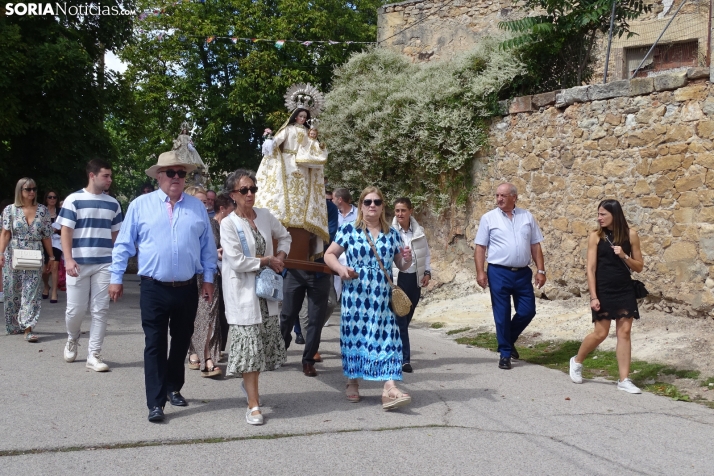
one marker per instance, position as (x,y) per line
(467,416)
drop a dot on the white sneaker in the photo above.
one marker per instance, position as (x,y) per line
(70,350)
(576,371)
(253,419)
(627,386)
(96,363)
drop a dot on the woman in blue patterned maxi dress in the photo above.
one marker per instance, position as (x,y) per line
(369,335)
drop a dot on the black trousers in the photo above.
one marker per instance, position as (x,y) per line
(218,283)
(166,310)
(296,283)
(408,283)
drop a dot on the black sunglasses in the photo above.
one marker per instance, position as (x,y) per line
(368,201)
(171,173)
(30,189)
(245,190)
(51,197)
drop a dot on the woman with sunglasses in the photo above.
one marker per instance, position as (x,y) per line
(247,237)
(25,226)
(51,201)
(369,336)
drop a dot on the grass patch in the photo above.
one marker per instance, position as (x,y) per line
(457,331)
(556,355)
(708,382)
(437,325)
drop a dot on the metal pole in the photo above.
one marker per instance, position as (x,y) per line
(709,36)
(658,38)
(609,41)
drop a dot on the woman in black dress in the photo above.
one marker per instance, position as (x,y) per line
(613,252)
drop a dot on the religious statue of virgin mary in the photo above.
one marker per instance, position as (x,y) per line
(290,176)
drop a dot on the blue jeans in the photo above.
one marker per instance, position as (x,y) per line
(504,283)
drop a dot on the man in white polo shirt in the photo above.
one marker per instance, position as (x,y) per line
(90,221)
(512,237)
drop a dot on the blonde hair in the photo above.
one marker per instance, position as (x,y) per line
(360,223)
(18,190)
(193,190)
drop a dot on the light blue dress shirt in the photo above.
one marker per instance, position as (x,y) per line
(508,240)
(349,218)
(170,249)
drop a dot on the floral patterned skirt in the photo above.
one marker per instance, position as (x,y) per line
(256,348)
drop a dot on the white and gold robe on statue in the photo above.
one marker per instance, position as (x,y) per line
(292,183)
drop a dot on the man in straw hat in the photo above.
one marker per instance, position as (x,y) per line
(175,242)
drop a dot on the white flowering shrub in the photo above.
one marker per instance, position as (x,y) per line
(413,129)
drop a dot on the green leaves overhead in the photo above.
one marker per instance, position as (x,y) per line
(557,47)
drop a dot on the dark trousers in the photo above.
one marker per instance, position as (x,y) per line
(221,312)
(504,283)
(408,283)
(166,310)
(296,283)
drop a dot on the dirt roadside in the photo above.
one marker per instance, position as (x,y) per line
(677,341)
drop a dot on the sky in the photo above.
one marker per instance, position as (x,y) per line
(111,61)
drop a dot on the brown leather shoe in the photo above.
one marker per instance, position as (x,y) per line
(318,357)
(309,370)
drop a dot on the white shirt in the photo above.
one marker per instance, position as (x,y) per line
(508,241)
(349,218)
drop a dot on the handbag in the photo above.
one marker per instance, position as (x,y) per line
(638,286)
(268,283)
(401,304)
(28,260)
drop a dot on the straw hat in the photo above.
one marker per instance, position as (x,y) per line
(168,159)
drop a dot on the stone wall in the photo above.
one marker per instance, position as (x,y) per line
(648,143)
(427,30)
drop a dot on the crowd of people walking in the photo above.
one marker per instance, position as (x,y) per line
(200,254)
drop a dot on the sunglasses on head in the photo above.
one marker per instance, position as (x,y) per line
(245,190)
(30,189)
(51,197)
(368,202)
(171,173)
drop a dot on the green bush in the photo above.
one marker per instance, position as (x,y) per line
(413,129)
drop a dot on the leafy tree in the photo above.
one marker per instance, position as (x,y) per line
(556,44)
(55,95)
(230,90)
(414,129)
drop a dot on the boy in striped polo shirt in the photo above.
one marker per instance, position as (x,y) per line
(90,221)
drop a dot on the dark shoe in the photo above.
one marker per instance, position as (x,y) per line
(177,399)
(407,368)
(309,370)
(514,353)
(505,363)
(156,415)
(299,339)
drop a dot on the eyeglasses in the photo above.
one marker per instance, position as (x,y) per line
(245,190)
(368,202)
(30,189)
(51,197)
(171,173)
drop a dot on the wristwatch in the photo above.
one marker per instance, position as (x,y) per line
(427,273)
(541,271)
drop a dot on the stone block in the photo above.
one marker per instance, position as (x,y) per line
(691,112)
(705,129)
(668,162)
(680,251)
(698,73)
(560,224)
(567,158)
(668,82)
(678,133)
(662,185)
(616,168)
(688,199)
(544,99)
(540,184)
(705,159)
(530,162)
(641,86)
(650,201)
(640,138)
(642,188)
(576,94)
(611,90)
(520,104)
(613,119)
(591,166)
(708,106)
(691,182)
(706,215)
(608,143)
(693,91)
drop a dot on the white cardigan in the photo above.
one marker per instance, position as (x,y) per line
(239,270)
(420,249)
